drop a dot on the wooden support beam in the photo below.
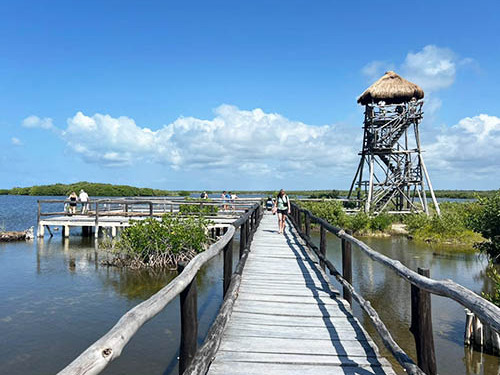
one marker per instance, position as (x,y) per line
(421,327)
(322,244)
(307,224)
(347,267)
(189,322)
(243,239)
(228,265)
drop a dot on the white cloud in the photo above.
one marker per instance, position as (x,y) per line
(250,141)
(16,141)
(433,68)
(37,122)
(469,148)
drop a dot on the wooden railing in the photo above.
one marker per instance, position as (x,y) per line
(422,287)
(136,207)
(109,347)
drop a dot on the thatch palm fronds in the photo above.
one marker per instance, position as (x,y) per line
(392,89)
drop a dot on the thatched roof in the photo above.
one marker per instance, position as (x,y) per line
(392,89)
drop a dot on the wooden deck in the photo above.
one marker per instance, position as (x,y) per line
(288,318)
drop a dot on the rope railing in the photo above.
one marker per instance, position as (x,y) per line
(109,347)
(422,285)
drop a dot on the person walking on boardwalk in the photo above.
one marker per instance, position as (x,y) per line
(283,206)
(84,200)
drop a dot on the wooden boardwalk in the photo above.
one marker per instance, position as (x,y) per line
(288,319)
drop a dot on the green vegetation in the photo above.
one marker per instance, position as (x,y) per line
(493,274)
(198,209)
(360,223)
(160,243)
(93,189)
(452,227)
(484,217)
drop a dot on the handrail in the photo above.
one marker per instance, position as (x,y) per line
(485,310)
(109,347)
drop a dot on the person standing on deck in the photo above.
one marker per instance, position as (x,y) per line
(72,202)
(223,197)
(84,200)
(283,206)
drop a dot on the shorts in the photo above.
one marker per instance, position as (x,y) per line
(283,212)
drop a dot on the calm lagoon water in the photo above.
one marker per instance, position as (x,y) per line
(56,299)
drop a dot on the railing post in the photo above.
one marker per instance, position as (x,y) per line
(347,267)
(228,265)
(322,244)
(151,209)
(421,326)
(189,322)
(299,223)
(126,209)
(96,234)
(243,239)
(247,228)
(307,223)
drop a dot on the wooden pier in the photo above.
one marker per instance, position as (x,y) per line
(111,215)
(289,319)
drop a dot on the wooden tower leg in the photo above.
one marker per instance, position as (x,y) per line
(370,187)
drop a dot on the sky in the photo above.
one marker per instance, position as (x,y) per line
(239,95)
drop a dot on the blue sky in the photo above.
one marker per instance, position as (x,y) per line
(238,95)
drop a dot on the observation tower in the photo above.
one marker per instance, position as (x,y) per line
(391,174)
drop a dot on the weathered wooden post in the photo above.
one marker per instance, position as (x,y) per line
(421,327)
(96,234)
(126,209)
(243,239)
(228,265)
(307,223)
(40,230)
(347,267)
(150,209)
(299,223)
(322,244)
(247,228)
(189,322)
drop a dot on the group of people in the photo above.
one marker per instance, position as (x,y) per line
(82,198)
(227,199)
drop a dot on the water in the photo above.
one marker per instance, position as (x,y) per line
(56,300)
(390,296)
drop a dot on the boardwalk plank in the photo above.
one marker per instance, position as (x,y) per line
(289,319)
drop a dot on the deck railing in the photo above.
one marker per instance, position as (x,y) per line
(422,287)
(109,347)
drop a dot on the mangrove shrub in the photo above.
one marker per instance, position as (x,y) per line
(484,217)
(161,243)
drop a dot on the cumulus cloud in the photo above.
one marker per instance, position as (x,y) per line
(433,68)
(251,141)
(470,147)
(16,141)
(37,122)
